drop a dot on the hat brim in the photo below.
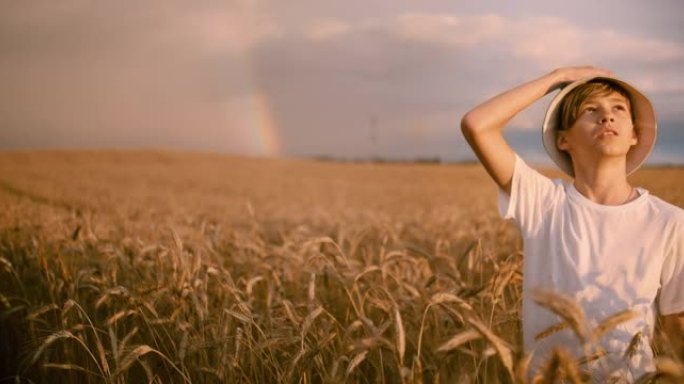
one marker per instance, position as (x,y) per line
(644,123)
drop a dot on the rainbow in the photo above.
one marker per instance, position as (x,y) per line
(256,116)
(264,128)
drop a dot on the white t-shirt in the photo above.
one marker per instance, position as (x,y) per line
(607,258)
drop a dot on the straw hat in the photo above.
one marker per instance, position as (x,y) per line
(644,123)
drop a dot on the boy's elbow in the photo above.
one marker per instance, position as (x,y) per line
(474,124)
(469,125)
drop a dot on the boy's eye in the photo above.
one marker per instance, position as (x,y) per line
(590,109)
(620,107)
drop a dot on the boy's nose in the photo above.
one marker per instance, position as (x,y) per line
(605,118)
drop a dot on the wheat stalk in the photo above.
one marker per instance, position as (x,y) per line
(613,321)
(566,308)
(459,339)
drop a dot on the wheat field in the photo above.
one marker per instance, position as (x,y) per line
(170,267)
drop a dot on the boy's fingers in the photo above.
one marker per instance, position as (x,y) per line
(576,73)
(606,72)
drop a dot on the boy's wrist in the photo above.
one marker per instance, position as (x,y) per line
(556,79)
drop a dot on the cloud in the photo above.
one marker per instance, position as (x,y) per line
(555,42)
(126,73)
(415,74)
(237,28)
(326,29)
(547,40)
(210,73)
(446,30)
(515,47)
(422,55)
(435,29)
(80,26)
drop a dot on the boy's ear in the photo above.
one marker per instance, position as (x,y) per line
(561,141)
(635,137)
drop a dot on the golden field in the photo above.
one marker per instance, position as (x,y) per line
(151,266)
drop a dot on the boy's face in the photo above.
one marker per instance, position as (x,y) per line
(603,128)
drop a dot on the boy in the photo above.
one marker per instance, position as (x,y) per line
(608,245)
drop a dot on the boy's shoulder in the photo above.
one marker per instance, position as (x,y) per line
(669,211)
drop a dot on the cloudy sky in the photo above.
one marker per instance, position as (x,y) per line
(353,78)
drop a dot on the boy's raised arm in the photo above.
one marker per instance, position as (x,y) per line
(482,126)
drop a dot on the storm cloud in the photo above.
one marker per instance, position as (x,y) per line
(350,79)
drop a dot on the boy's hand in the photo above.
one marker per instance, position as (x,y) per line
(569,74)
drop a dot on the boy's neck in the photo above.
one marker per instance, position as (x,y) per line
(605,183)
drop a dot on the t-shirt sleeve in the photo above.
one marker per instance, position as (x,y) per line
(672,276)
(531,196)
